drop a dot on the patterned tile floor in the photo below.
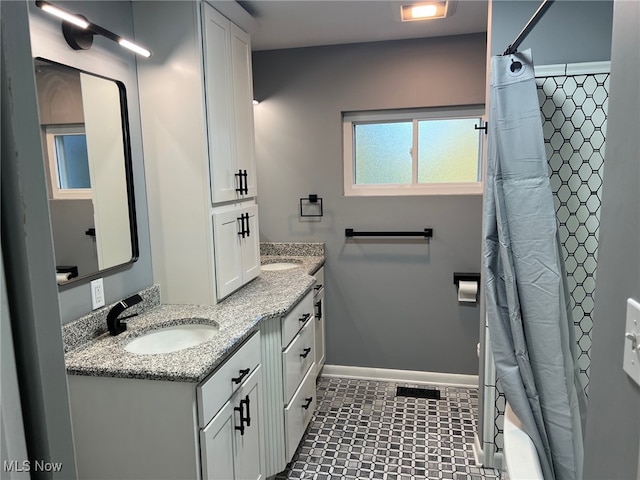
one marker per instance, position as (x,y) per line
(361,429)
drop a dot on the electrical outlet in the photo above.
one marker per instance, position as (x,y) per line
(97,293)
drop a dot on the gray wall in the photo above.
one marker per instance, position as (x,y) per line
(570,32)
(69,221)
(110,60)
(390,303)
(613,415)
(28,256)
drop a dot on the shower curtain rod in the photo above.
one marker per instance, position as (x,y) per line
(542,9)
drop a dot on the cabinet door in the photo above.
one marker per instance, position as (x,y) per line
(243,106)
(220,105)
(251,246)
(228,253)
(216,445)
(249,443)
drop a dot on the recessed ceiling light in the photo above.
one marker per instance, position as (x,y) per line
(424,11)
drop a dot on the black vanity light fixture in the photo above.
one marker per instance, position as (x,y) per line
(78,31)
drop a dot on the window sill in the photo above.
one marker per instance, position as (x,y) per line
(473,188)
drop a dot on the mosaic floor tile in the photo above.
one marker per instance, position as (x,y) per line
(362,430)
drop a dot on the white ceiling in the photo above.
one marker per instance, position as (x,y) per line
(305,23)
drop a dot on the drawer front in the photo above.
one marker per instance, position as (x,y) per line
(216,390)
(297,358)
(319,286)
(298,413)
(295,319)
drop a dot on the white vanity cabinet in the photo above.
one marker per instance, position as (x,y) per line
(237,247)
(151,430)
(288,360)
(232,438)
(319,313)
(198,136)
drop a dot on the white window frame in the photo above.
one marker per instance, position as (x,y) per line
(58,193)
(350,119)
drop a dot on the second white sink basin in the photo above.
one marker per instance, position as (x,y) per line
(272,267)
(171,339)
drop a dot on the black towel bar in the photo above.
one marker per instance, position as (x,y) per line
(426,233)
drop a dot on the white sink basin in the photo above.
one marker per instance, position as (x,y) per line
(171,339)
(272,267)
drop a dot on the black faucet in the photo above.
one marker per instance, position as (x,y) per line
(115,324)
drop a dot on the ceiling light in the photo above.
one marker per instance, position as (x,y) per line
(424,11)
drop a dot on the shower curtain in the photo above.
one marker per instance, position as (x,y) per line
(527,304)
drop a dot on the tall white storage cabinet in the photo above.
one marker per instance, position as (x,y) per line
(229,92)
(197,125)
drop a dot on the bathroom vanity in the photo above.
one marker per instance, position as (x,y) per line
(233,406)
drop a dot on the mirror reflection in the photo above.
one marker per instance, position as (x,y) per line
(88,164)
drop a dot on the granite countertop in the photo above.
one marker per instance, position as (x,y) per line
(272,294)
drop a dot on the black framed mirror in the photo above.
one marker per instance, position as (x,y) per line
(85,138)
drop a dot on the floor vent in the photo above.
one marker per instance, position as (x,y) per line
(418,392)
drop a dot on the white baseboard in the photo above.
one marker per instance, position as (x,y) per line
(389,375)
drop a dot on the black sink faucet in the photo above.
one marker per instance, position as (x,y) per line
(115,324)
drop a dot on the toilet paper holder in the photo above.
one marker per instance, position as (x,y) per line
(470,283)
(466,277)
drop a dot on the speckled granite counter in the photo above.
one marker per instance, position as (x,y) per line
(237,317)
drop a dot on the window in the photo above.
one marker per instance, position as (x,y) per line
(416,152)
(68,162)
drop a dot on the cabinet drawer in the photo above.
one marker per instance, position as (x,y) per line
(294,320)
(319,286)
(298,413)
(216,390)
(297,358)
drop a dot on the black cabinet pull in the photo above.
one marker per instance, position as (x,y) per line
(318,310)
(306,352)
(242,231)
(243,420)
(246,402)
(318,287)
(304,317)
(240,176)
(241,426)
(243,373)
(246,183)
(307,403)
(246,216)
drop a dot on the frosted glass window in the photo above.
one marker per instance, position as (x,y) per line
(383,153)
(448,150)
(413,152)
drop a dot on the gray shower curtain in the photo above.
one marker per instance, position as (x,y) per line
(527,303)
